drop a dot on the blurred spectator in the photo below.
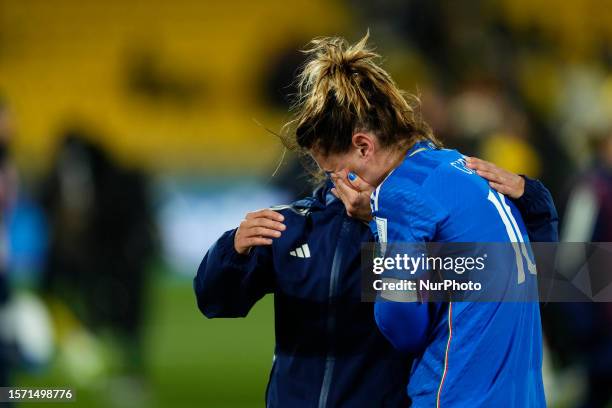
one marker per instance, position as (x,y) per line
(588,218)
(8,183)
(101,240)
(588,215)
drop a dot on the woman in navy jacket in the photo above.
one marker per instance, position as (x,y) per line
(329,352)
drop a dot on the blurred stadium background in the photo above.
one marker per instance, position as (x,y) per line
(133,133)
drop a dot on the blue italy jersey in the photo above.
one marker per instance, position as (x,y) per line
(477,354)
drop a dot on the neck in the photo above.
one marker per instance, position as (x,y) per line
(390,159)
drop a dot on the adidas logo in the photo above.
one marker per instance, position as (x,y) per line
(301,251)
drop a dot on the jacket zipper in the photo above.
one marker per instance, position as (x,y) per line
(330,359)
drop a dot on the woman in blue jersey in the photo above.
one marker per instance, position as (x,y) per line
(359,127)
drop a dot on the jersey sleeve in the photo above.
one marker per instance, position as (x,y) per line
(404,213)
(227,283)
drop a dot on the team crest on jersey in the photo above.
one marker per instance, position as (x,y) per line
(459,164)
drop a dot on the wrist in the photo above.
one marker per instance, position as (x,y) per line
(521,188)
(239,251)
(242,251)
(525,200)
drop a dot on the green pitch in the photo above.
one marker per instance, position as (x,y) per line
(191,361)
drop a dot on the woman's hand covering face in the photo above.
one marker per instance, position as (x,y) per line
(354,193)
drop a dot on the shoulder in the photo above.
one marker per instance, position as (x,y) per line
(292,209)
(411,183)
(451,168)
(310,211)
(302,207)
(452,181)
(407,206)
(430,166)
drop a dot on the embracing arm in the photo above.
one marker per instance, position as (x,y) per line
(237,270)
(539,213)
(533,200)
(228,284)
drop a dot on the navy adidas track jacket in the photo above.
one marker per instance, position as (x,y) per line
(329,352)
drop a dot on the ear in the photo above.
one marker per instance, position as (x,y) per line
(364,144)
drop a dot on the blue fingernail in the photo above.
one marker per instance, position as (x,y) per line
(352,176)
